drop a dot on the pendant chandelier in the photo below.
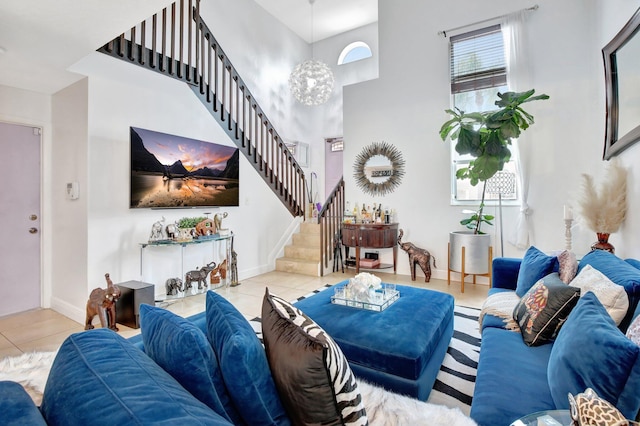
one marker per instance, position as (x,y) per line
(311,81)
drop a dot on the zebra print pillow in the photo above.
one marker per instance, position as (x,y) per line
(312,375)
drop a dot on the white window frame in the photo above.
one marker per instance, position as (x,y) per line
(349,48)
(485,79)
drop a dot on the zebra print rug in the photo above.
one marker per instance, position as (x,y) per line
(457,377)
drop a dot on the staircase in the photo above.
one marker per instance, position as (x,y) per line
(302,255)
(177,43)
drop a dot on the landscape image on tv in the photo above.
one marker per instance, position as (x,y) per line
(169,171)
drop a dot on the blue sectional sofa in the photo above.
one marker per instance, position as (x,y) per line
(169,374)
(515,379)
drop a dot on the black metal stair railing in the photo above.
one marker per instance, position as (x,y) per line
(330,218)
(177,43)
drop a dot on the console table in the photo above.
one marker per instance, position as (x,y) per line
(186,262)
(370,235)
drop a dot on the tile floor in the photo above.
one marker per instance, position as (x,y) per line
(45,329)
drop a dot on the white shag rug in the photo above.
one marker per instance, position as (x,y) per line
(383,408)
(30,369)
(390,409)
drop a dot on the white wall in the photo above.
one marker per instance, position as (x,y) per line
(85,138)
(86,238)
(122,95)
(69,235)
(405,107)
(614,14)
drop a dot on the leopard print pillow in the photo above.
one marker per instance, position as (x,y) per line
(588,408)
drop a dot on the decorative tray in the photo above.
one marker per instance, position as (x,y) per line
(378,303)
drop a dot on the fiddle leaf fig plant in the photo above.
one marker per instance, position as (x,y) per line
(476,219)
(486,136)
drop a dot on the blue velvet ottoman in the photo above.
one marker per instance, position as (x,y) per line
(400,348)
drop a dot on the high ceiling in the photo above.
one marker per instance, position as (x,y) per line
(330,17)
(40,39)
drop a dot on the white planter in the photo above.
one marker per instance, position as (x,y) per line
(476,252)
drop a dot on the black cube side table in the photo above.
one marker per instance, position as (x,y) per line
(133,293)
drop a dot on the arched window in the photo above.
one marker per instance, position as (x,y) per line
(354,52)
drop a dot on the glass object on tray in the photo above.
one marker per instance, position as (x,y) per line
(375,300)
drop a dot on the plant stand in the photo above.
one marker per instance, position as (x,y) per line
(462,273)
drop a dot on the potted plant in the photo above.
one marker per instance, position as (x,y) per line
(603,208)
(486,136)
(187,227)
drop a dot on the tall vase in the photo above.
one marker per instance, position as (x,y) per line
(603,243)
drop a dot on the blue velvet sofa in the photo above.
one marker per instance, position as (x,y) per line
(515,379)
(167,375)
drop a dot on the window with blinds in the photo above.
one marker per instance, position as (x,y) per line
(478,73)
(477,60)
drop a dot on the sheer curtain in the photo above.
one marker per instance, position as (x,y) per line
(518,80)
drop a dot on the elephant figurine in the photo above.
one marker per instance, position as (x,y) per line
(417,256)
(102,302)
(174,286)
(199,275)
(172,231)
(157,231)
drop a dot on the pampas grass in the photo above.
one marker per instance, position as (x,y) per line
(604,208)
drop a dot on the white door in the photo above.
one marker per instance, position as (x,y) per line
(20,218)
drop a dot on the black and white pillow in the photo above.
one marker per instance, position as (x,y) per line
(312,375)
(543,309)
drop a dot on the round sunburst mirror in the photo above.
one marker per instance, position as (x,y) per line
(379,168)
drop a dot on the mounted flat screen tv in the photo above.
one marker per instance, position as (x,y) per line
(169,171)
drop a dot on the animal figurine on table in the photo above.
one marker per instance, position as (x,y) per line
(214,275)
(174,286)
(206,227)
(217,219)
(223,269)
(417,256)
(157,231)
(199,275)
(102,302)
(172,231)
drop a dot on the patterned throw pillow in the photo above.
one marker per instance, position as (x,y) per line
(633,332)
(544,308)
(612,296)
(568,266)
(312,375)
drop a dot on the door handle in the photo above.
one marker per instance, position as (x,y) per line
(33,230)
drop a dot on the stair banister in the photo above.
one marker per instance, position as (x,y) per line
(215,81)
(330,218)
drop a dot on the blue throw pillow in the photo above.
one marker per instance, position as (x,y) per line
(243,362)
(620,272)
(183,351)
(535,265)
(591,352)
